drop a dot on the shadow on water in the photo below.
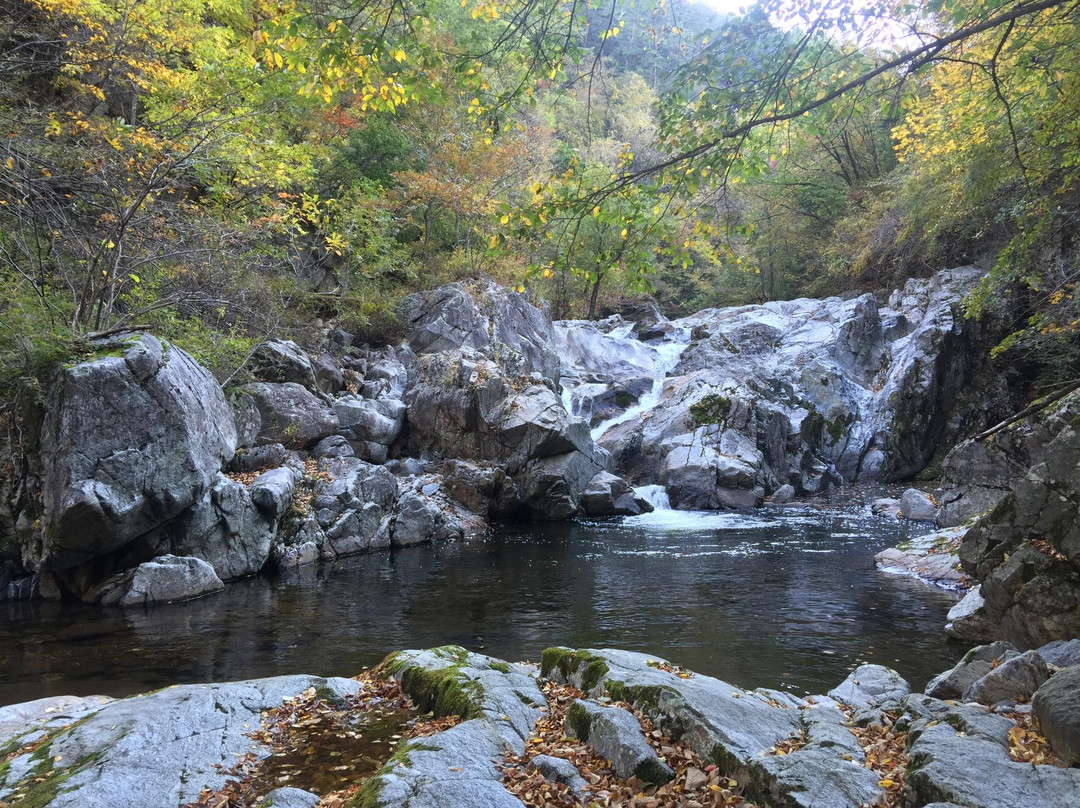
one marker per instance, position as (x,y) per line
(767,599)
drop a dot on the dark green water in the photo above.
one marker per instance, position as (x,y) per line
(770,599)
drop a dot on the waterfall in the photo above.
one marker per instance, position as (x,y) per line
(667,357)
(656,496)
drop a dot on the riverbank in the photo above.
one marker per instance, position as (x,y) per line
(582,726)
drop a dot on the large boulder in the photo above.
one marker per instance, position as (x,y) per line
(1015,679)
(1057,706)
(353,503)
(164,580)
(959,754)
(609,495)
(281,360)
(493,320)
(228,528)
(871,686)
(132,437)
(698,476)
(288,414)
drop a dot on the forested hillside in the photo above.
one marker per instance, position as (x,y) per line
(222,171)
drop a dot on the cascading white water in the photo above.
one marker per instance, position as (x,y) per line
(667,357)
(655,495)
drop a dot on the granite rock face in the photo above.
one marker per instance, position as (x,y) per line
(729,405)
(131,438)
(1026,551)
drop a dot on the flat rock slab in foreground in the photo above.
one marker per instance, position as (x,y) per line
(154,751)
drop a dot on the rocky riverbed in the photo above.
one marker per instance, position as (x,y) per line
(447,727)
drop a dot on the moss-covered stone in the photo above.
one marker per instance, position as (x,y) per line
(590,667)
(712,409)
(446,691)
(501,667)
(578,722)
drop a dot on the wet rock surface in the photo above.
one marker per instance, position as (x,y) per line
(775,749)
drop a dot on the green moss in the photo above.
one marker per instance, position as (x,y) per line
(592,668)
(445,692)
(836,428)
(712,409)
(652,771)
(43,781)
(368,795)
(453,653)
(501,667)
(578,721)
(625,399)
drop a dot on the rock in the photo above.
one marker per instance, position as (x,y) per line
(290,557)
(698,477)
(932,558)
(871,686)
(1057,706)
(272,491)
(279,360)
(968,619)
(615,734)
(353,507)
(961,757)
(33,720)
(1062,653)
(373,421)
(458,766)
(473,485)
(491,319)
(608,495)
(257,458)
(166,579)
(225,528)
(917,506)
(733,727)
(783,495)
(289,414)
(419,520)
(550,487)
(328,375)
(162,749)
(559,770)
(885,507)
(289,798)
(112,473)
(1026,551)
(333,446)
(953,683)
(1016,679)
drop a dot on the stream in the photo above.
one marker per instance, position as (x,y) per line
(770,598)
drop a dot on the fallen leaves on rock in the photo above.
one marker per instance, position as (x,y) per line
(323,747)
(1026,743)
(885,749)
(1048,550)
(697,783)
(791,744)
(674,670)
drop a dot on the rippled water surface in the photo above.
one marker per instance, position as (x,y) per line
(778,599)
